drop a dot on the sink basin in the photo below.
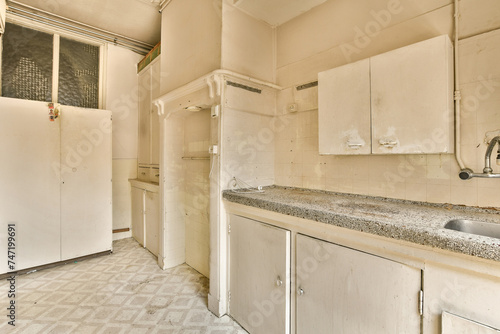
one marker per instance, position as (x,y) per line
(474,227)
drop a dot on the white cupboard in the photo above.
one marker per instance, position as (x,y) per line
(56,181)
(259,274)
(341,290)
(86,192)
(149,124)
(146,215)
(396,102)
(344,104)
(470,299)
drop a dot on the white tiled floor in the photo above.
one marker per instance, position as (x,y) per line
(124,292)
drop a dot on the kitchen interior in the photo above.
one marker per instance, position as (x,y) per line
(330,166)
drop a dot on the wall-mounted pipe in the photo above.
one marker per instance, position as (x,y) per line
(457,96)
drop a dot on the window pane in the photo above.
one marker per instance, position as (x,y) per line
(26,64)
(78,74)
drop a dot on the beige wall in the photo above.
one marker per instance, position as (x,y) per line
(190,41)
(342,31)
(247,45)
(121,97)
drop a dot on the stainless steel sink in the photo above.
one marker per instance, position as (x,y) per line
(474,227)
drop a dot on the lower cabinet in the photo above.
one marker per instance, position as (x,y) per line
(460,301)
(145,215)
(335,289)
(259,273)
(341,290)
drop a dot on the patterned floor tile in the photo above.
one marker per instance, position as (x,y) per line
(124,292)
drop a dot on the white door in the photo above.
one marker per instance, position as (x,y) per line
(341,290)
(412,99)
(144,146)
(152,203)
(29,182)
(138,204)
(86,190)
(344,109)
(155,120)
(259,276)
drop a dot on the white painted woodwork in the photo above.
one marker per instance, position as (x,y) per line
(146,215)
(138,226)
(144,140)
(452,324)
(402,98)
(30,187)
(155,120)
(460,284)
(348,291)
(412,98)
(344,109)
(57,181)
(151,201)
(259,272)
(149,122)
(460,292)
(86,190)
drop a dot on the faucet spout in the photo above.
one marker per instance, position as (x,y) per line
(487,157)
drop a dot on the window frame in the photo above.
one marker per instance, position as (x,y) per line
(57,34)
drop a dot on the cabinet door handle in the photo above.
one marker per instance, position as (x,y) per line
(279,282)
(354,146)
(156,175)
(388,143)
(300,291)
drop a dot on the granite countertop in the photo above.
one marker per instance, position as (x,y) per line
(416,222)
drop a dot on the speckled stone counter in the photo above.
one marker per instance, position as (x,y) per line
(416,222)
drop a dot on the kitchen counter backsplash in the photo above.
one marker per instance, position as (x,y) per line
(417,222)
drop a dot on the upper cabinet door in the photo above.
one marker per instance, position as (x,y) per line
(412,99)
(344,109)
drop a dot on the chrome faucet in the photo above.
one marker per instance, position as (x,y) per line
(468,173)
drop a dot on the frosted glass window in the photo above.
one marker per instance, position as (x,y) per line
(26,64)
(78,74)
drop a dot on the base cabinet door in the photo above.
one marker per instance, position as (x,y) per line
(152,204)
(460,301)
(341,290)
(259,276)
(138,226)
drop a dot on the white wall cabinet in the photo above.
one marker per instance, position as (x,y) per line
(149,124)
(259,276)
(344,109)
(341,290)
(146,215)
(406,93)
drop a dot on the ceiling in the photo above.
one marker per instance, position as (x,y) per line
(137,19)
(141,20)
(276,12)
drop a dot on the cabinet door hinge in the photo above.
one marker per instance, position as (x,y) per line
(229,296)
(421,302)
(228,228)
